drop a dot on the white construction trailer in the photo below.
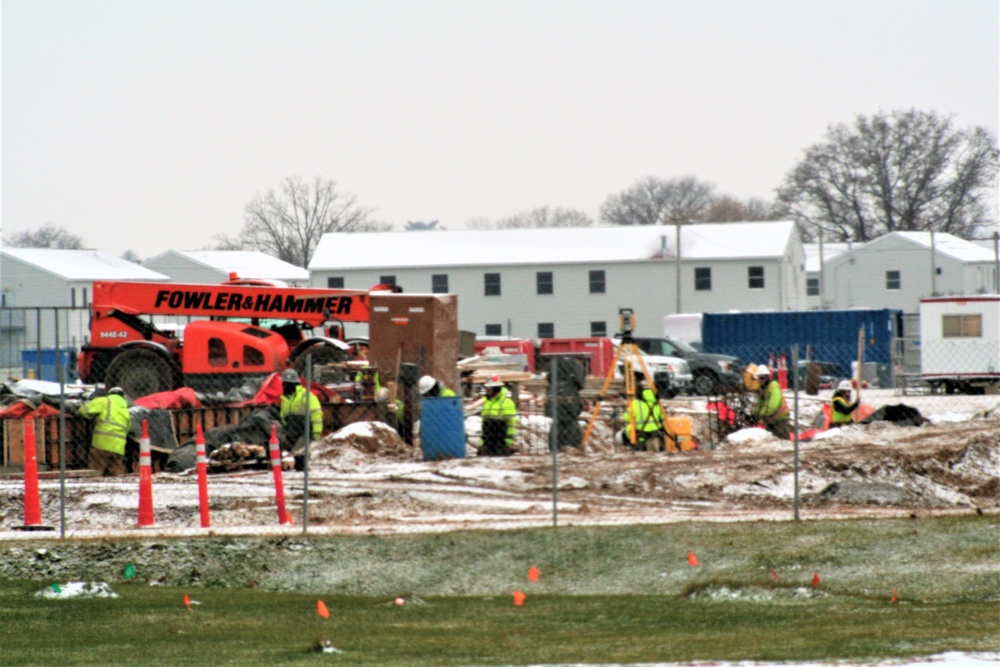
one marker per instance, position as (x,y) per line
(960,343)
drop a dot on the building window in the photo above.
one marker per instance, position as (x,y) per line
(597,284)
(755,277)
(543,282)
(494,330)
(962,326)
(893,280)
(84,304)
(598,329)
(387,280)
(703,279)
(439,283)
(335,282)
(546,330)
(812,286)
(492,284)
(72,297)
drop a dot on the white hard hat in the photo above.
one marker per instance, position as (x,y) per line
(845,385)
(425,384)
(494,381)
(116,390)
(289,375)
(763,371)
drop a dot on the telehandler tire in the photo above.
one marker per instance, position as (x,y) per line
(140,372)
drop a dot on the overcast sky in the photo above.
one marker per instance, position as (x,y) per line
(148,125)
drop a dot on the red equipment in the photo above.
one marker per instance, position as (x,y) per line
(225,347)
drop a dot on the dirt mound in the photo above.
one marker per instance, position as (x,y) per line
(372,439)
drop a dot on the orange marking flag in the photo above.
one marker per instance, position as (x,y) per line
(692,559)
(187,602)
(321,609)
(533,574)
(518,598)
(815,579)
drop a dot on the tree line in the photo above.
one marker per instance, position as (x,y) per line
(899,171)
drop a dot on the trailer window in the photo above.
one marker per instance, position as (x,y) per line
(598,329)
(893,280)
(755,277)
(546,330)
(217,352)
(252,356)
(962,326)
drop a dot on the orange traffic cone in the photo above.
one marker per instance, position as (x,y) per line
(145,478)
(32,499)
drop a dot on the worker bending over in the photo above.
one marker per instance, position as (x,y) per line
(771,407)
(431,388)
(499,420)
(841,406)
(296,400)
(112,423)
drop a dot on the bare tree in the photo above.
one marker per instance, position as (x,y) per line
(546,217)
(46,236)
(131,256)
(654,201)
(903,171)
(725,208)
(289,224)
(479,223)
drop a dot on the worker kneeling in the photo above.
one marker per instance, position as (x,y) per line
(841,406)
(771,407)
(296,403)
(645,414)
(112,422)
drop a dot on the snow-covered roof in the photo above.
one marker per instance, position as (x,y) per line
(83,264)
(946,244)
(245,263)
(550,245)
(830,250)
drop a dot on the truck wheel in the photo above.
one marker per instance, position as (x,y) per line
(140,373)
(321,356)
(704,384)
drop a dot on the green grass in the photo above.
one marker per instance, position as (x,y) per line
(622,594)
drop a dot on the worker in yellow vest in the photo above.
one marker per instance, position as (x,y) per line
(771,407)
(112,423)
(431,388)
(296,402)
(499,420)
(841,408)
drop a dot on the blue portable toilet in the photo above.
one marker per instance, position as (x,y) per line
(442,428)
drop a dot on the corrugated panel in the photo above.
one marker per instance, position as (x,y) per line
(823,335)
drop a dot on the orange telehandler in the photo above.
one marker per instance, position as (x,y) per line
(226,345)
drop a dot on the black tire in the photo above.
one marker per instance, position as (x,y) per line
(321,356)
(705,384)
(140,372)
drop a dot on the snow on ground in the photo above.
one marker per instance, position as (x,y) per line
(365,479)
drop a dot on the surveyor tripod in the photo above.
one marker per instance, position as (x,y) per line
(631,358)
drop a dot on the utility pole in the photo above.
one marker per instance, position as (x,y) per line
(822,286)
(933,268)
(678,236)
(996,261)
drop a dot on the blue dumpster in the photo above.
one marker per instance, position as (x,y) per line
(442,428)
(48,358)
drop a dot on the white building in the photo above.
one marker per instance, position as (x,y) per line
(898,269)
(48,290)
(216,266)
(815,269)
(572,281)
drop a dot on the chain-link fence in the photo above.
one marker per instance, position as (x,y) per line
(559,412)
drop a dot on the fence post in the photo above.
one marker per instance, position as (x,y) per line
(795,426)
